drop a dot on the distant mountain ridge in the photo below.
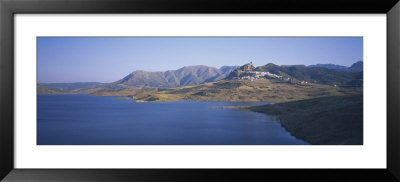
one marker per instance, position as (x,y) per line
(356,67)
(193,75)
(329,66)
(49,90)
(188,75)
(301,73)
(69,86)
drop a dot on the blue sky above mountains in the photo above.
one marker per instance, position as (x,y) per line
(107,59)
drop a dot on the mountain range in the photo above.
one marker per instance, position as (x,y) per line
(69,86)
(192,75)
(298,73)
(188,75)
(356,67)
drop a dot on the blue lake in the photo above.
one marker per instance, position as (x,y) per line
(104,120)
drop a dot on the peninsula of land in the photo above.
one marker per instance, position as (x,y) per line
(336,120)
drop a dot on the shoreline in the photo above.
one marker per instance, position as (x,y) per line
(324,124)
(336,120)
(332,120)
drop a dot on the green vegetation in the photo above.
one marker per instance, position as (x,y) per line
(188,75)
(356,67)
(229,83)
(244,91)
(336,120)
(298,73)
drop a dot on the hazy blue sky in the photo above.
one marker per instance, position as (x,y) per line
(108,59)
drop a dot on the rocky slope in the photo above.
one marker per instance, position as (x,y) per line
(188,75)
(246,91)
(301,73)
(334,120)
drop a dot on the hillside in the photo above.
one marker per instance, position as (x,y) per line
(356,67)
(334,120)
(41,90)
(244,91)
(188,75)
(69,86)
(329,66)
(300,73)
(270,82)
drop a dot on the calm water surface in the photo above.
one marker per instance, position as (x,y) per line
(102,120)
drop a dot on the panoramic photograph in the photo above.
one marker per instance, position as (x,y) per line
(199,91)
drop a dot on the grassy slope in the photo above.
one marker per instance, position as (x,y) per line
(41,90)
(188,75)
(127,92)
(316,75)
(247,91)
(322,121)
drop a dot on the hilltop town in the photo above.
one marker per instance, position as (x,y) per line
(247,72)
(255,75)
(270,83)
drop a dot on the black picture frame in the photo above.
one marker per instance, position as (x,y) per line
(8,8)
